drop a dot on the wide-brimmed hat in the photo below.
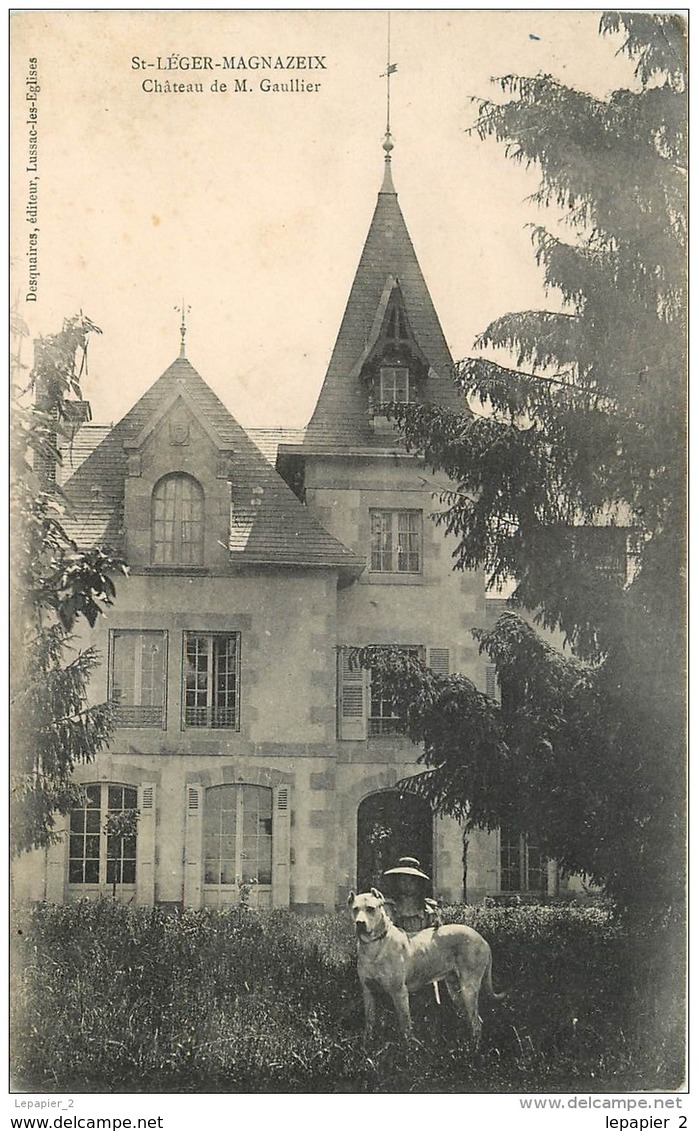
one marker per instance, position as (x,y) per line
(407,866)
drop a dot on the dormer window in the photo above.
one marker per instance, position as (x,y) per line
(395,385)
(393,366)
(178,521)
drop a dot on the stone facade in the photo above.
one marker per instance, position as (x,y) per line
(256,770)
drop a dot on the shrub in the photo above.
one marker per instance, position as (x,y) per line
(116,999)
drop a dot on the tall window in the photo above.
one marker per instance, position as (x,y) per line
(211,678)
(137,678)
(383,717)
(178,521)
(395,385)
(98,855)
(522,864)
(396,541)
(237,835)
(363,706)
(382,712)
(604,548)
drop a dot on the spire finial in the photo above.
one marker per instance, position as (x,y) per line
(389,70)
(183,310)
(388,146)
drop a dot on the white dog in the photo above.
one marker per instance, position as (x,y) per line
(396,963)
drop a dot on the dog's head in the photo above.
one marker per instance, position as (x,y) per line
(368,914)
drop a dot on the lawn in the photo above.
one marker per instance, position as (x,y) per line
(112,999)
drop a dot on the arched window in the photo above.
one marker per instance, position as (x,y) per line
(178,521)
(237,836)
(391,825)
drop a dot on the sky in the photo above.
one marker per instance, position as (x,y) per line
(253,207)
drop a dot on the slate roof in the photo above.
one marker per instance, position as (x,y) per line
(268,440)
(89,436)
(82,445)
(269,525)
(341,421)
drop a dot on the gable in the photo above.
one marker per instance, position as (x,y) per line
(391,333)
(182,410)
(178,439)
(152,440)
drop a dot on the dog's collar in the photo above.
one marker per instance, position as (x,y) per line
(376,939)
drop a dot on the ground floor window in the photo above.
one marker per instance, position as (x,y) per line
(237,835)
(523,867)
(103,834)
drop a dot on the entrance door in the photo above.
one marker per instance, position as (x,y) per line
(391,825)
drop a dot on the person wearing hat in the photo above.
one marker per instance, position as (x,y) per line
(411,909)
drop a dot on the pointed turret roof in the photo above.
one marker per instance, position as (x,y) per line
(269,525)
(341,418)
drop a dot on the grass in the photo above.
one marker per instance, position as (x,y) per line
(112,999)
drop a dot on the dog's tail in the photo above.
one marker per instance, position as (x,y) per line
(487,981)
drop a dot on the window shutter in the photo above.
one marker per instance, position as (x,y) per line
(491,685)
(438,661)
(351,682)
(281,848)
(57,862)
(145,847)
(193,867)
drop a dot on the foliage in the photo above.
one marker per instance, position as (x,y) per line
(113,999)
(54,585)
(562,463)
(121,829)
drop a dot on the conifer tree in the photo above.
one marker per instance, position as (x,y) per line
(54,585)
(569,459)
